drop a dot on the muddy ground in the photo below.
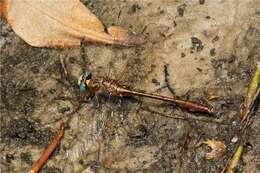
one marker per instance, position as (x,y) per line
(194,49)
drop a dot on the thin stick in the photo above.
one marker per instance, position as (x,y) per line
(166,79)
(235,159)
(46,154)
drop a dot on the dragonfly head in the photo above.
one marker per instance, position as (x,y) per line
(84,80)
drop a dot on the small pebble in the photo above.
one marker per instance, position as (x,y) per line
(234,139)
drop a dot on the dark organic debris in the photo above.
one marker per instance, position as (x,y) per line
(183,55)
(23,131)
(212,52)
(215,39)
(135,8)
(201,2)
(181,9)
(27,158)
(156,82)
(166,79)
(8,158)
(196,44)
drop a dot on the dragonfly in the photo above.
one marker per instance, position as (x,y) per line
(90,86)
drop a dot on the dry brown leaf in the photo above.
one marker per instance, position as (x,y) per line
(62,23)
(218,149)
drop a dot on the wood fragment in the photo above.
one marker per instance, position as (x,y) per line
(47,153)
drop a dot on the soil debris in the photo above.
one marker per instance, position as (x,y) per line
(181,9)
(196,44)
(201,2)
(23,132)
(135,8)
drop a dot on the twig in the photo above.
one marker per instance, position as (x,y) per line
(235,159)
(166,79)
(47,153)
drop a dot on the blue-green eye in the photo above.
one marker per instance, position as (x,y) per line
(82,87)
(82,81)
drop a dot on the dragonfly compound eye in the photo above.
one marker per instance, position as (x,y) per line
(82,81)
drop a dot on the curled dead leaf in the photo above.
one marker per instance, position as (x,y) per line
(48,23)
(218,149)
